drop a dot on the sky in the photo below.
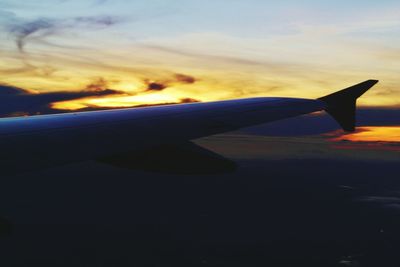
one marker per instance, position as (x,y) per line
(155,52)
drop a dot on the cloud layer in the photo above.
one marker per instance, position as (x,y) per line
(172,52)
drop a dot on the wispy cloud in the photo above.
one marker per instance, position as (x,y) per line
(25,31)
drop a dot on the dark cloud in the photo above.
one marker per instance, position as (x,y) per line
(155,86)
(24,31)
(163,84)
(10,90)
(189,100)
(185,78)
(104,21)
(17,101)
(98,84)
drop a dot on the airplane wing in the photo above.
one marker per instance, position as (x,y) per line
(40,141)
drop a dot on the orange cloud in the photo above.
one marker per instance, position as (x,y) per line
(373,134)
(386,138)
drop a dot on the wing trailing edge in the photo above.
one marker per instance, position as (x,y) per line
(341,105)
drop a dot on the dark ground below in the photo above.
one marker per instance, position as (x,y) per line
(301,212)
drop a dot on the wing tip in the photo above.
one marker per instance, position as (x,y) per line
(341,105)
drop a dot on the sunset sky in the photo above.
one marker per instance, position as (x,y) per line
(158,51)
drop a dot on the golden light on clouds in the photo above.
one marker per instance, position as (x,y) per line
(204,73)
(373,134)
(118,102)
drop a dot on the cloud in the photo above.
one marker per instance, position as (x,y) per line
(37,30)
(98,84)
(10,90)
(163,84)
(6,16)
(189,100)
(25,31)
(199,55)
(17,101)
(29,69)
(102,21)
(155,86)
(100,2)
(185,78)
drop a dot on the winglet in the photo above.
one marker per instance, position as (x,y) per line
(342,104)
